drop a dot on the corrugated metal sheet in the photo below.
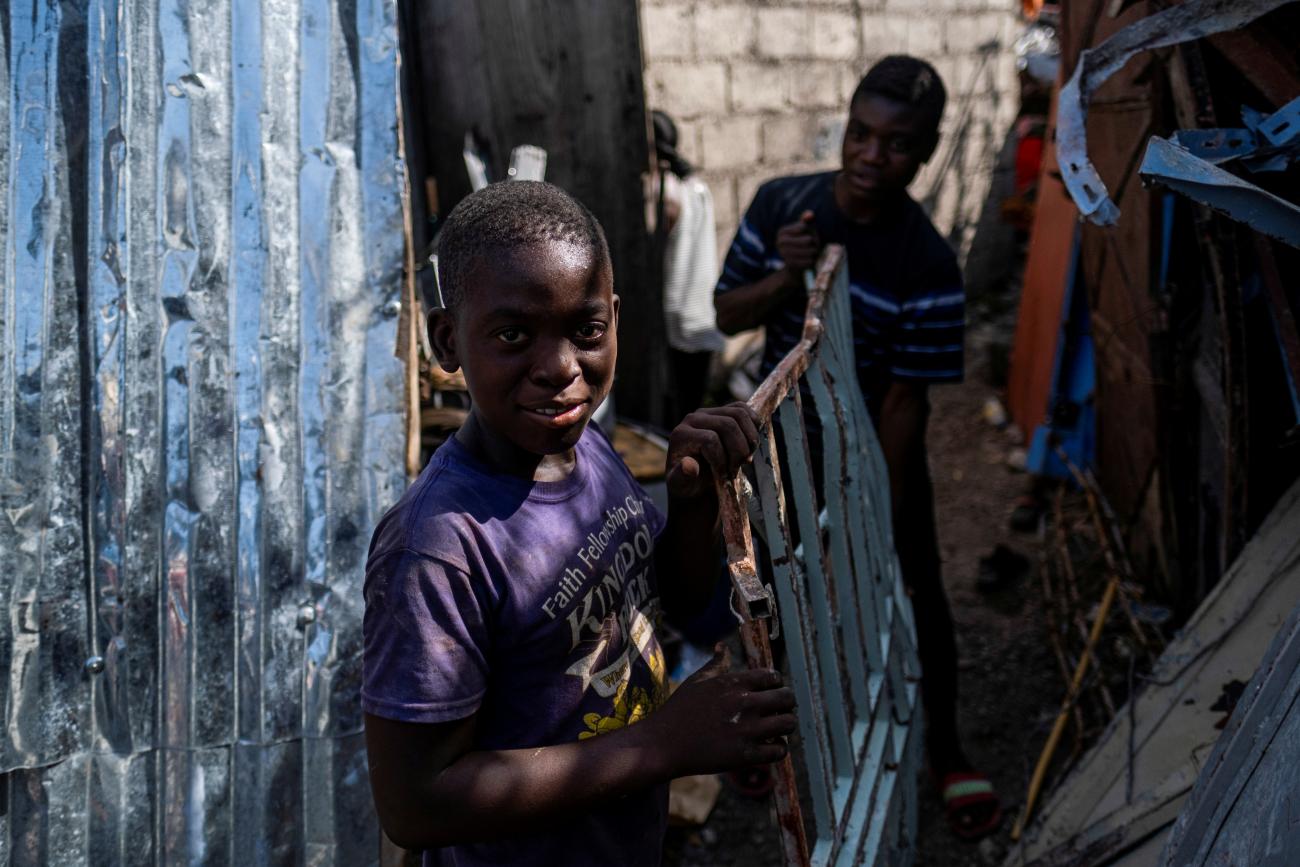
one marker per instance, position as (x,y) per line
(201,419)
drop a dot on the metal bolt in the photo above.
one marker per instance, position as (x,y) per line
(306,615)
(94,665)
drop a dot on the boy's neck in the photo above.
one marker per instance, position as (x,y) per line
(864,212)
(504,456)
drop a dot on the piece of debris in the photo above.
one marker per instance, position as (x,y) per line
(994,413)
(1027,513)
(691,799)
(1158,744)
(1017,459)
(1000,569)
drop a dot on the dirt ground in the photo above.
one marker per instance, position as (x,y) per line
(1010,688)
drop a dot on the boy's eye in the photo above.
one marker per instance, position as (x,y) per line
(511,335)
(591,331)
(901,145)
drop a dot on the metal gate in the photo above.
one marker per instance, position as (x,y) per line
(846,620)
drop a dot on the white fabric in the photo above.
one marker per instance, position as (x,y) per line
(691,269)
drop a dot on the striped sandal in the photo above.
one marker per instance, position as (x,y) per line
(971,805)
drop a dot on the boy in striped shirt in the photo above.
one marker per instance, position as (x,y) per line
(908,323)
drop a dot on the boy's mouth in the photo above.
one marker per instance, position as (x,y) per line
(865,180)
(558,415)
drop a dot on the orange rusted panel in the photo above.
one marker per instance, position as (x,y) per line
(1038,327)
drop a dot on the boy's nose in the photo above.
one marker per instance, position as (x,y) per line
(556,365)
(873,151)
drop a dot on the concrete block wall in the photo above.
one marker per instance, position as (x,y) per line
(759,88)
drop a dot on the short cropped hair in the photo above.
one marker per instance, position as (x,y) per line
(506,216)
(906,79)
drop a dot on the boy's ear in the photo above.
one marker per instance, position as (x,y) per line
(929,149)
(617,302)
(442,337)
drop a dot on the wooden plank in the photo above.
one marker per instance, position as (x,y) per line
(1252,772)
(1263,60)
(645,456)
(1176,729)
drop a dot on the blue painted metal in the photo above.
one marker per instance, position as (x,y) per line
(1282,127)
(845,616)
(1217,145)
(1168,209)
(1172,166)
(799,461)
(201,418)
(792,596)
(1268,143)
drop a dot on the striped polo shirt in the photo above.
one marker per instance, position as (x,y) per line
(907,296)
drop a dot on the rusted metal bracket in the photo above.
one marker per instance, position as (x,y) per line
(1172,26)
(1175,167)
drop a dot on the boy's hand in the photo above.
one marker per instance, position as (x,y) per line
(716,440)
(798,245)
(719,720)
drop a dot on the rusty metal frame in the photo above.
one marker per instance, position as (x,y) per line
(837,590)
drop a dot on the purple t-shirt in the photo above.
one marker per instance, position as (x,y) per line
(532,603)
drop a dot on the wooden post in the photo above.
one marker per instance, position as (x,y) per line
(564,75)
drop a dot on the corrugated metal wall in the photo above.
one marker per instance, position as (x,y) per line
(201,419)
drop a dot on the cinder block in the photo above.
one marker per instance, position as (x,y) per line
(1006,75)
(829,137)
(995,27)
(757,87)
(1009,29)
(947,69)
(788,139)
(944,213)
(882,35)
(835,35)
(726,233)
(667,32)
(689,90)
(816,85)
(926,178)
(963,33)
(783,33)
(724,31)
(723,188)
(748,183)
(730,143)
(975,74)
(981,153)
(925,37)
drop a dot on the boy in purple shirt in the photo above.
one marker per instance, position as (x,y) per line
(515,695)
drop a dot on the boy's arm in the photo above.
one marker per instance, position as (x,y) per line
(431,789)
(748,306)
(927,347)
(903,416)
(719,439)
